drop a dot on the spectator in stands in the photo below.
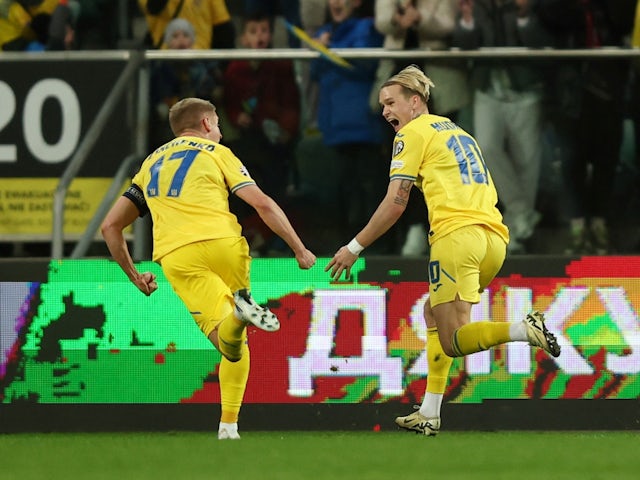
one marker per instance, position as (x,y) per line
(634,114)
(635,94)
(13,20)
(173,80)
(345,119)
(421,25)
(589,119)
(38,25)
(507,106)
(313,14)
(635,83)
(63,26)
(424,25)
(97,25)
(210,19)
(262,102)
(289,10)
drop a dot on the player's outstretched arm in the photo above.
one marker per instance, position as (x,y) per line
(386,215)
(342,261)
(122,214)
(275,218)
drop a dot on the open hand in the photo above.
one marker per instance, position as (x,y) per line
(343,260)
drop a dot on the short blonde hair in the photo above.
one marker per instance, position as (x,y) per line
(187,114)
(413,81)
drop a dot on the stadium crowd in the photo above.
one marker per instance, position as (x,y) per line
(561,138)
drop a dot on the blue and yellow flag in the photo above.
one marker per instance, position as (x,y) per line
(316,45)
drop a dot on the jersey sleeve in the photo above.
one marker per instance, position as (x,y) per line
(235,173)
(134,193)
(406,156)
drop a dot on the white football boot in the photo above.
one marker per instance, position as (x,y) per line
(416,422)
(249,311)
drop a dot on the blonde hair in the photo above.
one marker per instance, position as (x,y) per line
(413,82)
(187,114)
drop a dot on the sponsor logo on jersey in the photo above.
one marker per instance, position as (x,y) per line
(244,171)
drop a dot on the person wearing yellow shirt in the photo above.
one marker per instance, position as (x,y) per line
(185,185)
(204,15)
(14,21)
(635,34)
(467,236)
(23,23)
(634,90)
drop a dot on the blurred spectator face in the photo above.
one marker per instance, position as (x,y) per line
(340,10)
(257,34)
(180,40)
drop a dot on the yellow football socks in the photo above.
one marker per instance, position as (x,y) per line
(231,335)
(478,336)
(233,381)
(439,363)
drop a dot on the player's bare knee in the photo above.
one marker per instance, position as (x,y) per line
(213,338)
(428,315)
(445,342)
(448,350)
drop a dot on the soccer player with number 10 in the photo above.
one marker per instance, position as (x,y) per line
(467,236)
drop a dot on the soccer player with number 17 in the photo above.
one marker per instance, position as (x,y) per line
(467,236)
(185,185)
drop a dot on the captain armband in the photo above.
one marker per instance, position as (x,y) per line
(134,193)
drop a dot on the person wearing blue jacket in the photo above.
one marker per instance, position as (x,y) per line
(345,119)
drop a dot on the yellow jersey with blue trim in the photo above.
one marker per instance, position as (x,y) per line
(185,184)
(446,164)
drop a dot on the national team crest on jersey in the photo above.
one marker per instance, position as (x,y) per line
(244,171)
(398,147)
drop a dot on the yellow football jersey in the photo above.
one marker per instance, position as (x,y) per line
(446,164)
(635,34)
(186,184)
(202,14)
(15,19)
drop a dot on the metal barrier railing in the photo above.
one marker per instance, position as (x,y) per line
(82,153)
(137,61)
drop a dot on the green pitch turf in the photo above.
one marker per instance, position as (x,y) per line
(322,455)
